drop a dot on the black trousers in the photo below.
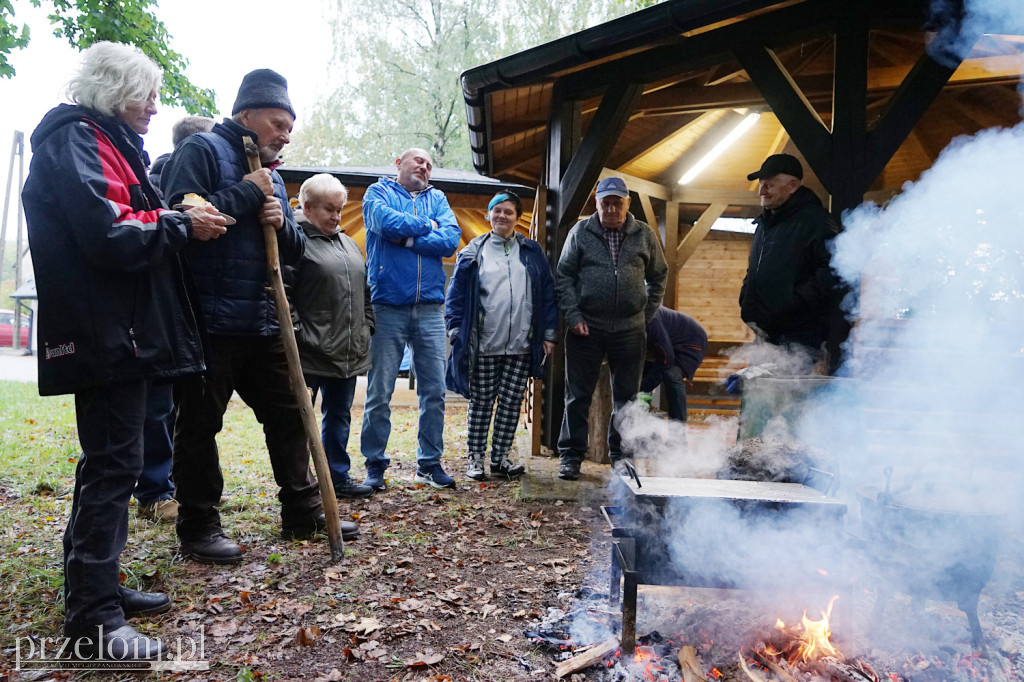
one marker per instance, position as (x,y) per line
(110,422)
(257,369)
(583,357)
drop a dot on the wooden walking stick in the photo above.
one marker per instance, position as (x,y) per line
(302,396)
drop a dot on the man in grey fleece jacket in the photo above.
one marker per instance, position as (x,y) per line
(610,281)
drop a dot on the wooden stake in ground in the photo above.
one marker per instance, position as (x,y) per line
(302,397)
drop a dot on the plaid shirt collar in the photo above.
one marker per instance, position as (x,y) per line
(614,240)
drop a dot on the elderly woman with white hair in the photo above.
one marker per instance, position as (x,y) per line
(333,320)
(117,314)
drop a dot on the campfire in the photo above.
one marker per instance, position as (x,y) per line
(803,651)
(786,653)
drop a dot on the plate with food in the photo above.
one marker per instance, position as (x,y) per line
(191,200)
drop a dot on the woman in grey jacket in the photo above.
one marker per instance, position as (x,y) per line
(333,320)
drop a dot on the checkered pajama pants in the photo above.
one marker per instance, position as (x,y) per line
(503,377)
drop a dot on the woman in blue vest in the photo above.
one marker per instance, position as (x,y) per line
(501,317)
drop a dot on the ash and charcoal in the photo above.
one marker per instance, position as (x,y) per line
(779,461)
(561,632)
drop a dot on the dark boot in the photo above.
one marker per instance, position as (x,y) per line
(136,604)
(318,524)
(507,468)
(120,644)
(349,489)
(212,548)
(569,470)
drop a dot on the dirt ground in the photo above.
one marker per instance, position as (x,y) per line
(440,585)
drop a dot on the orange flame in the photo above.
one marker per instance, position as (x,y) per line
(816,636)
(815,639)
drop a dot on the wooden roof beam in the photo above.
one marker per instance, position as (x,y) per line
(639,185)
(918,90)
(790,106)
(633,154)
(698,232)
(703,51)
(583,170)
(817,89)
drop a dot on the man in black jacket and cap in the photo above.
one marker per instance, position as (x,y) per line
(790,296)
(246,349)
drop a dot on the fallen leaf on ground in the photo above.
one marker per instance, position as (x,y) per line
(365,626)
(307,636)
(423,659)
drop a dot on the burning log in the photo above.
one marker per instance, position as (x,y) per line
(779,671)
(587,658)
(751,675)
(688,663)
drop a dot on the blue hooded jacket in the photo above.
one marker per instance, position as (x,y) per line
(403,249)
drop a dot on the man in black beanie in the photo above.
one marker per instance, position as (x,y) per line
(246,350)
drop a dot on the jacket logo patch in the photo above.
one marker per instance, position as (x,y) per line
(61,350)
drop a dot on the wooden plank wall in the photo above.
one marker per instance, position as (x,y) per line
(708,286)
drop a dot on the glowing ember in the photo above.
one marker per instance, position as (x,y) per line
(648,662)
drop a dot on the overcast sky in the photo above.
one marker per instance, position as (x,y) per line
(215,37)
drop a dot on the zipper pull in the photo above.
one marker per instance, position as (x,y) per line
(131,333)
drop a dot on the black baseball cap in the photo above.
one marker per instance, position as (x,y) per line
(778,163)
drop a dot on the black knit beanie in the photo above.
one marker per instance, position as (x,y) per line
(263,89)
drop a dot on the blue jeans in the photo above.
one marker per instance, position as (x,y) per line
(155,480)
(420,325)
(336,410)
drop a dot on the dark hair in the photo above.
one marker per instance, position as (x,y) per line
(506,196)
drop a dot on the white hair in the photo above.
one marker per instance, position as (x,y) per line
(113,76)
(319,186)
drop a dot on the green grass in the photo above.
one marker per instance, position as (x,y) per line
(39,450)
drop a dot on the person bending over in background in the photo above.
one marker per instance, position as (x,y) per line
(676,345)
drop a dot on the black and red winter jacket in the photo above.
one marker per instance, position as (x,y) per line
(115,302)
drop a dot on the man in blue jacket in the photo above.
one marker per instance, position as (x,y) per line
(246,350)
(410,228)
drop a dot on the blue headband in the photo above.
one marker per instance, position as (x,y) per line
(498,198)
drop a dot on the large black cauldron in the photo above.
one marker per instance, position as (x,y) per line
(931,546)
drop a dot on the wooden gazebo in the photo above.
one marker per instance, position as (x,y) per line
(867,93)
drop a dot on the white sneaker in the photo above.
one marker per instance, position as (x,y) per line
(475,470)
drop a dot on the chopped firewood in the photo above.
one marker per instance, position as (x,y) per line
(751,675)
(587,658)
(692,670)
(774,667)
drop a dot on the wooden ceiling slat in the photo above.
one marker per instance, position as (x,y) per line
(667,122)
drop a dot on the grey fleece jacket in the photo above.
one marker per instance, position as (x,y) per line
(592,289)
